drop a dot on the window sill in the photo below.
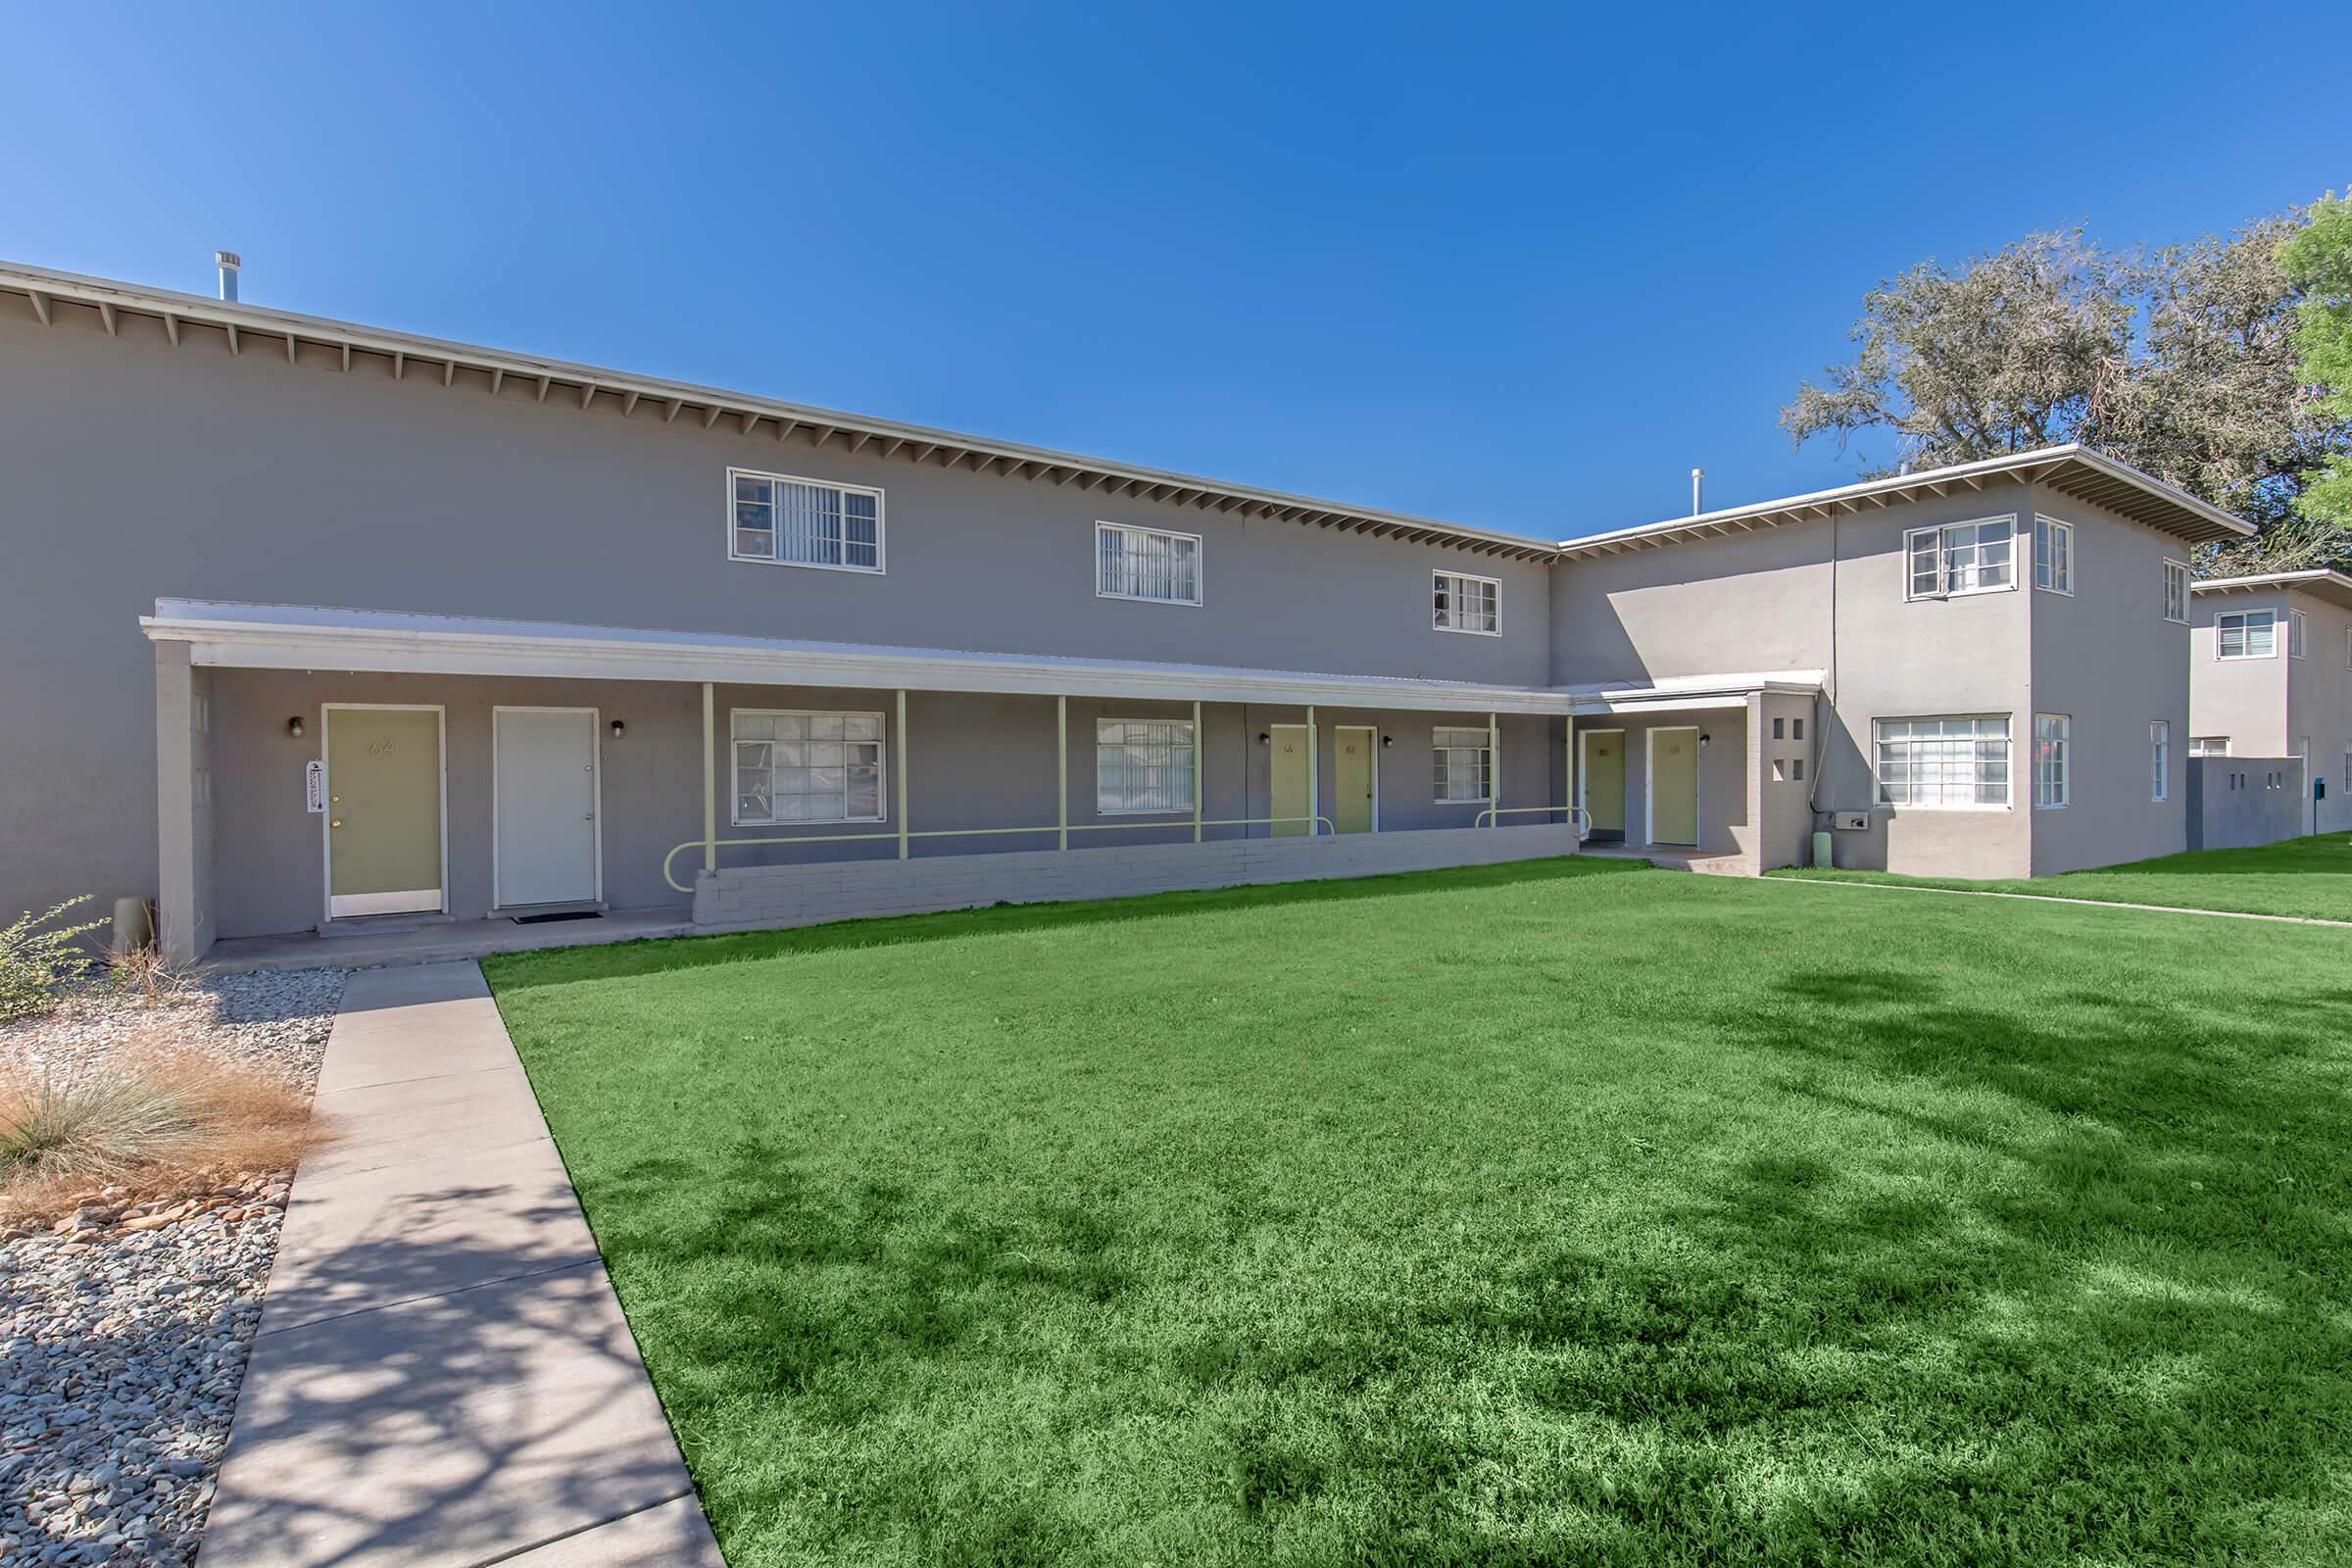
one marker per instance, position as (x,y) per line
(1181,812)
(804,566)
(827,821)
(1959,593)
(1146,599)
(1468,631)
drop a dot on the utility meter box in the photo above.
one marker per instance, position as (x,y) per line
(1850,821)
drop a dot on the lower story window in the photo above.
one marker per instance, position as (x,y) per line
(2160,759)
(2052,736)
(1944,763)
(1464,763)
(1143,765)
(806,768)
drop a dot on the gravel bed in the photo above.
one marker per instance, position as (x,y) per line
(125,1329)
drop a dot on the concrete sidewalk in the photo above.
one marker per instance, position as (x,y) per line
(442,1374)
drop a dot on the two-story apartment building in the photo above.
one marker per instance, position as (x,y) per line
(2271,676)
(314,625)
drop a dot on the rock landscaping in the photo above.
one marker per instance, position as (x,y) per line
(124,1324)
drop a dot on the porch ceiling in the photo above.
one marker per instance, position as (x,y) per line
(310,637)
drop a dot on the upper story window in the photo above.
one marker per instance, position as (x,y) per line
(2176,591)
(1146,563)
(2054,555)
(1961,558)
(1143,765)
(1468,604)
(2297,634)
(1944,763)
(805,767)
(2209,745)
(804,522)
(2246,634)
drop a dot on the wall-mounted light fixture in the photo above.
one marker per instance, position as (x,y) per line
(294,726)
(1265,739)
(619,729)
(1703,738)
(1387,741)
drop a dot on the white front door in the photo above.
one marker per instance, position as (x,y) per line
(546,806)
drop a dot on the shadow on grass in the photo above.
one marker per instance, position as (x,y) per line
(562,966)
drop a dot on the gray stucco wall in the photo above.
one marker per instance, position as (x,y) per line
(2319,706)
(136,471)
(1828,595)
(974,762)
(2242,699)
(2106,657)
(2243,802)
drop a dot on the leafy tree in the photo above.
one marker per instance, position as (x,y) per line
(2320,261)
(2180,360)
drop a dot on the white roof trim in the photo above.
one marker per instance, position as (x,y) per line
(1692,691)
(1909,486)
(306,637)
(772,417)
(2273,580)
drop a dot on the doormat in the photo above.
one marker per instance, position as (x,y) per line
(560,914)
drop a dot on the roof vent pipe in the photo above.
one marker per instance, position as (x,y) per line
(1698,491)
(228,262)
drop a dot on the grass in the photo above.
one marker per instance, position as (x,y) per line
(2309,877)
(1560,1213)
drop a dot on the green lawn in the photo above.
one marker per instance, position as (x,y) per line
(2309,877)
(1537,1215)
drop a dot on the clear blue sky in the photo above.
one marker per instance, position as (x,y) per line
(1517,268)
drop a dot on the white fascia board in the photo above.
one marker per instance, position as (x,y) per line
(231,645)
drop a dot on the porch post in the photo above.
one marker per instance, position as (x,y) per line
(1568,772)
(1314,783)
(1198,739)
(902,823)
(709,782)
(1493,770)
(1062,770)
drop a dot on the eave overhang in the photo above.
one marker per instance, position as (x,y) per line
(305,637)
(2335,587)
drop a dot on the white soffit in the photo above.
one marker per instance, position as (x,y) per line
(303,637)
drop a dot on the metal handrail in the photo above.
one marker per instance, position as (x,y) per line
(1323,828)
(1584,827)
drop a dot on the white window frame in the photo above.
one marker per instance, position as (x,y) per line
(736,553)
(2160,758)
(1187,747)
(1452,581)
(1140,530)
(1939,533)
(2058,748)
(2298,634)
(2209,745)
(2176,591)
(736,743)
(2245,633)
(1879,757)
(1440,750)
(2059,559)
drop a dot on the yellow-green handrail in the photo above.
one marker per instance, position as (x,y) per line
(1323,827)
(1574,813)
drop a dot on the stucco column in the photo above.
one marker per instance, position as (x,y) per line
(184,927)
(1752,854)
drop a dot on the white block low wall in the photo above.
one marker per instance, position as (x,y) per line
(766,897)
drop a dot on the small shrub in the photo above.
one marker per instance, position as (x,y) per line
(39,957)
(151,976)
(158,1119)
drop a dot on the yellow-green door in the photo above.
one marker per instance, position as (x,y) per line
(384,822)
(1674,786)
(1604,782)
(1289,743)
(1351,778)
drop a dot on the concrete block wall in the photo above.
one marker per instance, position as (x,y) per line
(2236,803)
(768,897)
